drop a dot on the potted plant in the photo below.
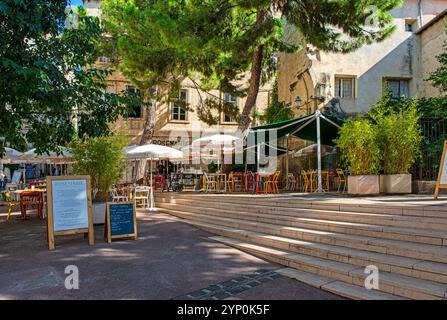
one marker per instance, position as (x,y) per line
(399,137)
(102,159)
(359,148)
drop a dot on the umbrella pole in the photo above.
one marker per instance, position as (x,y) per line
(320,185)
(287,161)
(151,200)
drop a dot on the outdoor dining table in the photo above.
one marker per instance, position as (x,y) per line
(24,202)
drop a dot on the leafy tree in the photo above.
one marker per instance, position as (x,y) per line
(46,78)
(359,146)
(216,41)
(102,159)
(398,133)
(276,110)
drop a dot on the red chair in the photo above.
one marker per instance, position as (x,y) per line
(159,183)
(249,182)
(29,198)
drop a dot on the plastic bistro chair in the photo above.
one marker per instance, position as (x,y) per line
(341,179)
(230,183)
(210,183)
(10,202)
(305,181)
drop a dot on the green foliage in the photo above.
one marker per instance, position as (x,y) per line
(439,77)
(102,159)
(44,77)
(398,133)
(212,167)
(276,110)
(359,147)
(215,41)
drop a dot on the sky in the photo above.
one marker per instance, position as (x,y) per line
(76,2)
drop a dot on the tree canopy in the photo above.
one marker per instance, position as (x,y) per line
(47,78)
(217,41)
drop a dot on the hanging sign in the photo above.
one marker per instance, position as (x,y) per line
(69,207)
(121,220)
(442,174)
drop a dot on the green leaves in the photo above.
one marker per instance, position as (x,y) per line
(359,146)
(45,77)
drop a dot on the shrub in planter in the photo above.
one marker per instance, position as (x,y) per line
(359,148)
(399,138)
(102,159)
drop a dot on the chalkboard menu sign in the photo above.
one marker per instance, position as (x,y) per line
(121,220)
(69,207)
(442,174)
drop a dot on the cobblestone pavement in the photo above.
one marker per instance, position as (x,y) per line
(170,259)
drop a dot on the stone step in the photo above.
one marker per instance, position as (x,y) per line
(337,287)
(425,270)
(389,283)
(391,247)
(318,202)
(346,216)
(405,234)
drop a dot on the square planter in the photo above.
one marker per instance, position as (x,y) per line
(367,184)
(395,183)
(99,212)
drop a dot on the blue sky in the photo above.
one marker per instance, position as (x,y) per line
(76,2)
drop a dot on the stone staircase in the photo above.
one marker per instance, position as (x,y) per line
(328,245)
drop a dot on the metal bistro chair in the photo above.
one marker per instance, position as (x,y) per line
(291,182)
(341,179)
(250,182)
(10,201)
(209,183)
(142,195)
(230,182)
(116,197)
(271,185)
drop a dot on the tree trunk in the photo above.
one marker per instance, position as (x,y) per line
(149,125)
(255,80)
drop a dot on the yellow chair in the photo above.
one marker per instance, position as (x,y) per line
(305,181)
(230,182)
(271,185)
(10,202)
(341,179)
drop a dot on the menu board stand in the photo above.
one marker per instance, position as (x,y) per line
(69,207)
(121,220)
(442,174)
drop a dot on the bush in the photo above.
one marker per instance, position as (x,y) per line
(102,159)
(399,134)
(359,147)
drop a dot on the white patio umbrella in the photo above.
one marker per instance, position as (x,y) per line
(10,155)
(152,152)
(65,156)
(222,142)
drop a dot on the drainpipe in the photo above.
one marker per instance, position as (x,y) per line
(420,14)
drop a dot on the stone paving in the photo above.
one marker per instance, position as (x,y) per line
(170,259)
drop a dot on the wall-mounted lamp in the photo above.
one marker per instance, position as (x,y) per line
(298,101)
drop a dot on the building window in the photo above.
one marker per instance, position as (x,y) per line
(136,110)
(398,87)
(345,87)
(228,98)
(178,112)
(410,25)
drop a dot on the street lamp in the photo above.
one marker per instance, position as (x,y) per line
(298,102)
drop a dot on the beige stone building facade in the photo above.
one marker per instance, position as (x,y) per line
(176,126)
(352,83)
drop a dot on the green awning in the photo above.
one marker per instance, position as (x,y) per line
(302,127)
(268,146)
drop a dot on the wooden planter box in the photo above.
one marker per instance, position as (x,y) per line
(363,184)
(395,183)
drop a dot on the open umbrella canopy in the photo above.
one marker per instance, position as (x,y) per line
(216,139)
(65,155)
(312,150)
(152,151)
(302,127)
(10,155)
